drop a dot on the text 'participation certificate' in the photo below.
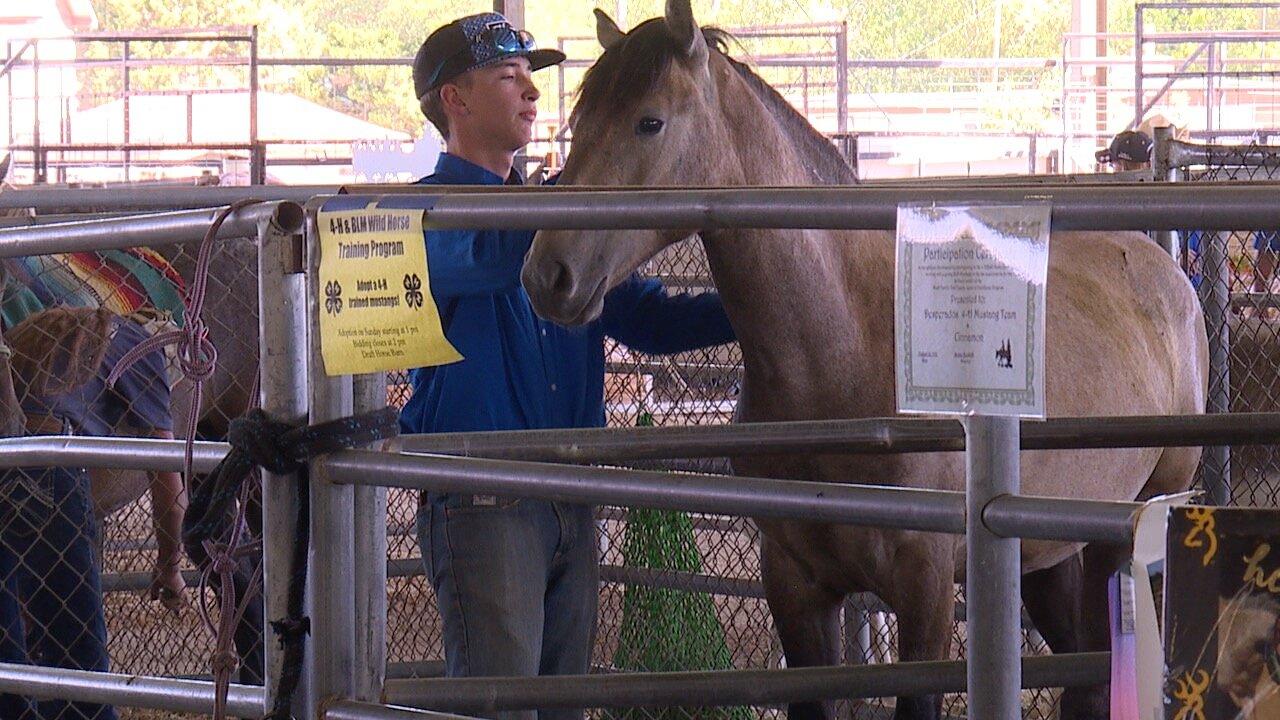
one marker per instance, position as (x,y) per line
(970,299)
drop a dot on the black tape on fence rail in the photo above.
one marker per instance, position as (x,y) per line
(256,440)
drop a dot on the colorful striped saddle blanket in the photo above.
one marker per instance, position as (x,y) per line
(123,281)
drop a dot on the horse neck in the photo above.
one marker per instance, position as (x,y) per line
(799,316)
(789,293)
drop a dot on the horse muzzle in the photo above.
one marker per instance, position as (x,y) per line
(558,295)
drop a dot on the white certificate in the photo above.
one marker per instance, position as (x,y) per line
(969,319)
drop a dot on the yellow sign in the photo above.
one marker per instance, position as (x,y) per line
(376,310)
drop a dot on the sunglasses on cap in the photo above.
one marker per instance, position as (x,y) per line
(501,39)
(495,41)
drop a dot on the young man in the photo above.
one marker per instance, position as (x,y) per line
(516,579)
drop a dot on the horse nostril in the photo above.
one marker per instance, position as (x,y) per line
(547,277)
(561,280)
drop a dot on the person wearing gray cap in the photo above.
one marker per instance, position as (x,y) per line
(516,579)
(1129,150)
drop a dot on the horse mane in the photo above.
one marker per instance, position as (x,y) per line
(631,68)
(824,163)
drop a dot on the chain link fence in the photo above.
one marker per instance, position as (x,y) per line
(720,553)
(88,547)
(1235,274)
(691,388)
(711,580)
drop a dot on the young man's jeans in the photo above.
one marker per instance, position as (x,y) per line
(517,582)
(47,558)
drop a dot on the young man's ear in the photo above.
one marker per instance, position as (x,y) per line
(452,99)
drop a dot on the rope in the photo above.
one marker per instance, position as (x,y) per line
(198,358)
(258,441)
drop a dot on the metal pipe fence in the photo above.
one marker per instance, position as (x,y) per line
(728,687)
(172,694)
(269,222)
(499,477)
(1139,206)
(1233,268)
(722,208)
(872,435)
(146,230)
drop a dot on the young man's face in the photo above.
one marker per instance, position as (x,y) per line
(501,102)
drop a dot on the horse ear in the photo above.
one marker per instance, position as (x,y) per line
(607,31)
(681,23)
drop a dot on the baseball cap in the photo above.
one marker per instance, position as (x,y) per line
(474,42)
(1130,145)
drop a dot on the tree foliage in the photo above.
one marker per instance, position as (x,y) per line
(393,29)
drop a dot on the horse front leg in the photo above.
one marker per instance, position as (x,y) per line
(923,597)
(807,617)
(1100,563)
(1053,598)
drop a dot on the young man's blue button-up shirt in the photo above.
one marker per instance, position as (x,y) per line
(520,371)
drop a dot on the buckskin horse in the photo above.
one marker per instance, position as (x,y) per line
(813,311)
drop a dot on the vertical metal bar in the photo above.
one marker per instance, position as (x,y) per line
(282,348)
(1065,108)
(993,582)
(126,86)
(257,155)
(8,76)
(330,594)
(370,393)
(1215,299)
(842,78)
(1162,171)
(65,138)
(857,635)
(1101,73)
(1210,88)
(41,167)
(562,121)
(1139,43)
(804,90)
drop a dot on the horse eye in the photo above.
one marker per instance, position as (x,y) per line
(649,126)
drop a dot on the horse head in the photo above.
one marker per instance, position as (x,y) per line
(647,114)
